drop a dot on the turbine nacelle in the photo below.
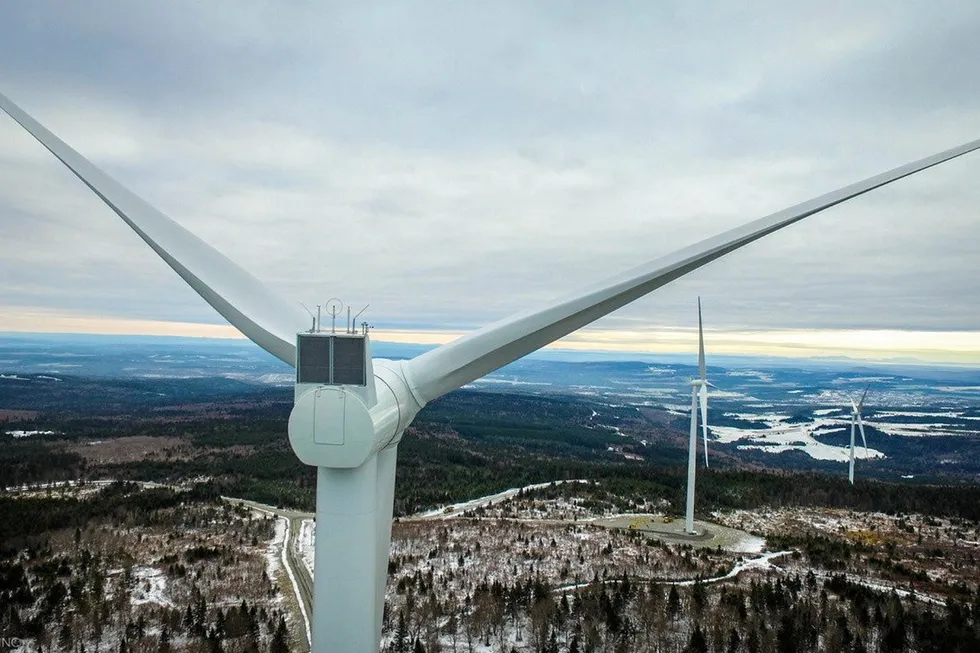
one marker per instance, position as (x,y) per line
(342,424)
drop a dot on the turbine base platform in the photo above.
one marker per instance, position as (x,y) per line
(708,535)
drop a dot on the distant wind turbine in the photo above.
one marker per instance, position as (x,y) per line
(856,420)
(351,410)
(699,391)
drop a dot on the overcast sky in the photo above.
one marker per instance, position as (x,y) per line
(453,162)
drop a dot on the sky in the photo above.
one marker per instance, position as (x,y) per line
(453,163)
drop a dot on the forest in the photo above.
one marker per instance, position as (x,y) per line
(121,568)
(55,561)
(465,445)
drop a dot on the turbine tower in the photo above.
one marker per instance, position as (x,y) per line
(699,391)
(351,410)
(856,419)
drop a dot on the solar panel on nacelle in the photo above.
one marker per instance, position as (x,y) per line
(330,359)
(348,360)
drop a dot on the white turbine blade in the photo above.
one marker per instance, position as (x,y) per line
(704,376)
(854,407)
(268,320)
(863,396)
(863,439)
(704,421)
(466,359)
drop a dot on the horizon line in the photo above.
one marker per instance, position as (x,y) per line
(896,346)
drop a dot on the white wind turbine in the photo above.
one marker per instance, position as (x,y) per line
(856,420)
(350,413)
(699,390)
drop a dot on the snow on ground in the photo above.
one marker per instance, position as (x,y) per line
(780,437)
(34,487)
(512,381)
(150,586)
(789,438)
(885,414)
(825,411)
(762,376)
(273,555)
(762,563)
(918,430)
(772,419)
(27,434)
(457,509)
(304,543)
(295,586)
(747,544)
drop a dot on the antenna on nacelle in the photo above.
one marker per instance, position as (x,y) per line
(359,314)
(334,306)
(316,318)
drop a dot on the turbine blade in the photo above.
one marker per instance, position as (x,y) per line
(704,376)
(268,320)
(466,359)
(861,403)
(704,421)
(863,439)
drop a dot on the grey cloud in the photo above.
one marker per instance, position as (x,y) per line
(451,162)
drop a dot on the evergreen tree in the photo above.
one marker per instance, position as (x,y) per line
(699,597)
(280,641)
(786,637)
(673,602)
(734,641)
(164,646)
(859,645)
(698,643)
(65,639)
(401,634)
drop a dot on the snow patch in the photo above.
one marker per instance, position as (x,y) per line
(27,434)
(273,554)
(305,543)
(150,587)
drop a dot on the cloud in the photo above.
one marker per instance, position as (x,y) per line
(452,163)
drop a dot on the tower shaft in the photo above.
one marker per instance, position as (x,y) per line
(692,456)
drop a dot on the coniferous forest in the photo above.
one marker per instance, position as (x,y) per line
(125,566)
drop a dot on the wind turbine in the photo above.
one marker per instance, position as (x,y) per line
(856,419)
(699,391)
(350,412)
